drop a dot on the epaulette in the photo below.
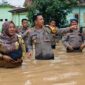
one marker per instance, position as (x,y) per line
(47,26)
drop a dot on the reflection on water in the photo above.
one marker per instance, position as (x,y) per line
(66,69)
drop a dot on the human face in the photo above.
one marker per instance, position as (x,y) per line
(25,23)
(39,21)
(11,29)
(74,23)
(53,23)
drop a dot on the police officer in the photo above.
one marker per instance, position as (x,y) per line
(74,40)
(24,32)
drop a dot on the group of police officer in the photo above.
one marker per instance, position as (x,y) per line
(43,36)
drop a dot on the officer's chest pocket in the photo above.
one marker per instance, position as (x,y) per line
(38,39)
(47,38)
(72,36)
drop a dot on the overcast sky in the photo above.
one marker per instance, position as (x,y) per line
(15,2)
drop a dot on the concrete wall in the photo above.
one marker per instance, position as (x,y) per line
(4,14)
(17,17)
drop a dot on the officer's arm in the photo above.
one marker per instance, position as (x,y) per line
(23,34)
(65,41)
(29,47)
(63,30)
(83,42)
(83,37)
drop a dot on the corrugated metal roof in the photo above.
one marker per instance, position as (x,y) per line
(18,10)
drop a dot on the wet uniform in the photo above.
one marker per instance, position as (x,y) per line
(43,37)
(25,36)
(74,39)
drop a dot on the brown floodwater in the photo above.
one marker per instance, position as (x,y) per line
(66,69)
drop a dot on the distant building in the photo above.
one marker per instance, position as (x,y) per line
(4,14)
(78,12)
(18,14)
(9,12)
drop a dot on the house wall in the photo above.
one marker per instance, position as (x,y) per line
(17,17)
(4,14)
(81,12)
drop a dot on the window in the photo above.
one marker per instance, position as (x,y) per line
(1,20)
(6,19)
(76,16)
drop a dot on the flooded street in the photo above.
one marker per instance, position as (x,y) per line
(66,69)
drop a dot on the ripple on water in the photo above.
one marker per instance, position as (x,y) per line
(62,76)
(28,82)
(68,83)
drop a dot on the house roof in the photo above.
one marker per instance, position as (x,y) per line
(18,10)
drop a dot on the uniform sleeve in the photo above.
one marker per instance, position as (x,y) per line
(63,30)
(84,38)
(29,43)
(65,41)
(23,34)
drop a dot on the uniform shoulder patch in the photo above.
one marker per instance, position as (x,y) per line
(47,28)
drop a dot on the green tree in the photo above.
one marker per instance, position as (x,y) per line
(51,9)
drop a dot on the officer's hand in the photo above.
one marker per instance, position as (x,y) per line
(82,46)
(73,27)
(29,54)
(70,47)
(28,31)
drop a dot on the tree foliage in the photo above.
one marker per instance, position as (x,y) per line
(51,9)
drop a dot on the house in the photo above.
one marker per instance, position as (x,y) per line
(4,14)
(78,12)
(9,12)
(18,14)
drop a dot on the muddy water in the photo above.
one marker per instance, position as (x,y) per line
(66,69)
